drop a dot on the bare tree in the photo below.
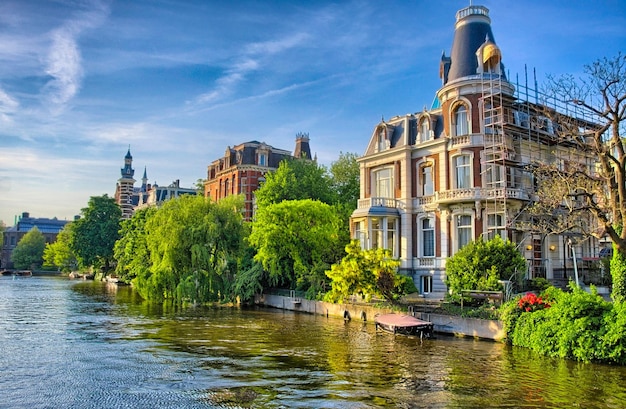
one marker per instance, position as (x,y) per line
(585,194)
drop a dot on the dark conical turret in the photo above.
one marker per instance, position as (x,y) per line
(472,32)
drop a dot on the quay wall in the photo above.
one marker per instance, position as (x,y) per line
(445,324)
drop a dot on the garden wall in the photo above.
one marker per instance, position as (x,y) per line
(448,324)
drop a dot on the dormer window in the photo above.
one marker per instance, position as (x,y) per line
(262,159)
(425,133)
(381,140)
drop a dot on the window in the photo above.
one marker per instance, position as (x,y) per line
(427,284)
(495,225)
(383,183)
(428,237)
(462,172)
(428,187)
(391,235)
(463,230)
(383,234)
(461,123)
(262,159)
(360,234)
(381,141)
(424,131)
(494,171)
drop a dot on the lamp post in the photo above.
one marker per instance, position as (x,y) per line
(569,242)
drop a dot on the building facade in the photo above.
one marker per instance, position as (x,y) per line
(50,228)
(435,180)
(242,170)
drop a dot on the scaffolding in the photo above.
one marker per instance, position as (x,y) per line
(523,128)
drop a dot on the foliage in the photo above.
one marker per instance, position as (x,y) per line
(367,273)
(578,325)
(131,250)
(96,232)
(345,179)
(295,179)
(193,246)
(295,242)
(480,264)
(539,284)
(618,274)
(29,250)
(3,227)
(59,253)
(589,201)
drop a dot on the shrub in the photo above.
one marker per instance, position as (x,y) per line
(576,325)
(481,264)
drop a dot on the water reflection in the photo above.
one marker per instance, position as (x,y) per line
(83,344)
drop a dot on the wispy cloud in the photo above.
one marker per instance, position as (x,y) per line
(63,62)
(8,105)
(248,62)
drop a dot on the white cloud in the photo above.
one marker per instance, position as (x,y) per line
(63,62)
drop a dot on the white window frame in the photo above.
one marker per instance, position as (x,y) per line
(461,180)
(380,189)
(427,181)
(494,171)
(496,225)
(424,240)
(467,228)
(426,284)
(385,235)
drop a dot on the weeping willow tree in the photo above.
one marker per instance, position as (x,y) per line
(193,247)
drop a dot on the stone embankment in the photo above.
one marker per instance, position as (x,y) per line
(446,324)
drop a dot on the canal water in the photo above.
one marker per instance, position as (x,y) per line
(79,344)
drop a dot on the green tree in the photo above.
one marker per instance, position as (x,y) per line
(295,240)
(96,232)
(367,273)
(295,179)
(131,250)
(194,245)
(345,179)
(59,253)
(480,264)
(29,250)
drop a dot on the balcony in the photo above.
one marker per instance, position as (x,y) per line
(471,194)
(378,202)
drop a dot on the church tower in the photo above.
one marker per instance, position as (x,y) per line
(125,187)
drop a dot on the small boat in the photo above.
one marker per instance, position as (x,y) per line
(404,325)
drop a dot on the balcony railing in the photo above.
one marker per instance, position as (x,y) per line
(478,193)
(378,202)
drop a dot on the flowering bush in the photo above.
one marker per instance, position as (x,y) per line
(531,302)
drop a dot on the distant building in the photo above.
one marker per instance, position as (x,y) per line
(242,169)
(156,195)
(131,198)
(50,228)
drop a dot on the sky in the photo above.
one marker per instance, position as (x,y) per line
(178,81)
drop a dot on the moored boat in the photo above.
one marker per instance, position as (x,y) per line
(404,325)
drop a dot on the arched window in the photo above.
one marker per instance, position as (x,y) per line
(461,121)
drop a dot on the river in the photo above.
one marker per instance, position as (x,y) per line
(81,344)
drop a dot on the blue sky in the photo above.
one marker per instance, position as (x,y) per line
(179,81)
